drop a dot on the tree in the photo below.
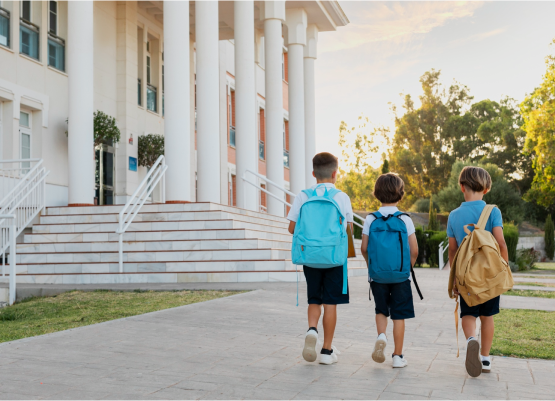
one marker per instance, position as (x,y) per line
(502,193)
(549,240)
(538,112)
(433,223)
(105,128)
(385,167)
(151,147)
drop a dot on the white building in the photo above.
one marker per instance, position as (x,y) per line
(229,84)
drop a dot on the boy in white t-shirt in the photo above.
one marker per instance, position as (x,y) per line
(324,286)
(394,299)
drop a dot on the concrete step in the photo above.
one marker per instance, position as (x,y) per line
(228,233)
(154,226)
(181,245)
(153,256)
(170,277)
(208,215)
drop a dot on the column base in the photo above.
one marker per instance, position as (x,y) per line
(176,201)
(80,204)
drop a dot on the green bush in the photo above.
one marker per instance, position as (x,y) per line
(510,232)
(421,239)
(422,205)
(105,129)
(151,147)
(549,240)
(526,258)
(434,238)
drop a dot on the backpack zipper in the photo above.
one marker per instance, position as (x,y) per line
(401,241)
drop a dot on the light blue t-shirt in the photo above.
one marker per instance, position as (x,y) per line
(469,213)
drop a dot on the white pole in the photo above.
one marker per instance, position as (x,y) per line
(120,251)
(310,101)
(12,263)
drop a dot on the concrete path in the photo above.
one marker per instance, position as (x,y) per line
(248,347)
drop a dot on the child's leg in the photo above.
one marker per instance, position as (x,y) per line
(381,323)
(398,336)
(314,312)
(469,326)
(329,321)
(487,334)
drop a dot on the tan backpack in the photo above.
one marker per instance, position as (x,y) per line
(478,268)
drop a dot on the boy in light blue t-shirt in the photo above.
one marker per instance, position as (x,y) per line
(475,182)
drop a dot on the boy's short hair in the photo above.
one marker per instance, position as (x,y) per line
(389,188)
(475,179)
(324,164)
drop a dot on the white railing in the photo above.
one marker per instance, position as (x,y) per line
(23,194)
(441,251)
(285,191)
(156,174)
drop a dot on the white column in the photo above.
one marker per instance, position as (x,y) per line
(273,15)
(208,98)
(177,102)
(245,103)
(81,103)
(296,27)
(310,101)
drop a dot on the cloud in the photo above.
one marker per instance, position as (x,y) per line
(478,37)
(392,21)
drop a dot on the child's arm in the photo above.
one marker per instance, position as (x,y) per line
(291,228)
(413,245)
(452,251)
(364,248)
(498,235)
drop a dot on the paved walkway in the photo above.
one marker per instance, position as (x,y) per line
(248,346)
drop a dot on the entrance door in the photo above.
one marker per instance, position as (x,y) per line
(104,174)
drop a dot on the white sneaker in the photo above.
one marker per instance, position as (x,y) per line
(378,354)
(328,359)
(309,350)
(399,361)
(486,366)
(473,363)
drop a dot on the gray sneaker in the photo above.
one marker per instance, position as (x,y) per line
(473,361)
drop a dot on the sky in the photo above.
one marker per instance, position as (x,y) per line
(497,49)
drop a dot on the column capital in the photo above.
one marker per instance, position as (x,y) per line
(272,10)
(311,41)
(296,21)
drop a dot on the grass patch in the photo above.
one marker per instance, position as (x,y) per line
(531,293)
(544,266)
(42,315)
(524,334)
(535,284)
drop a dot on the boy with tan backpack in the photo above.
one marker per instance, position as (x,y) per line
(479,265)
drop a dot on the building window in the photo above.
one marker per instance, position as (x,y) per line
(163,85)
(25,139)
(56,52)
(53,17)
(139,92)
(147,69)
(28,32)
(26,10)
(261,136)
(24,119)
(151,98)
(4,27)
(232,119)
(285,144)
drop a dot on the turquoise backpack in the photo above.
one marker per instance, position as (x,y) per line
(320,239)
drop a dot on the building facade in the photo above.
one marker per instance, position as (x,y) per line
(230,86)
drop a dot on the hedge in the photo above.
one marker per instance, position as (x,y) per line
(510,232)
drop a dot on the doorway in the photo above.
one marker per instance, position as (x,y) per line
(104,174)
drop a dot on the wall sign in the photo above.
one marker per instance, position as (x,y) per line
(132,163)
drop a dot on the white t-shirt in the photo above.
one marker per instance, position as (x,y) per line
(341,198)
(386,211)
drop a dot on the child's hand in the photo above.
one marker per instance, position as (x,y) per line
(455,289)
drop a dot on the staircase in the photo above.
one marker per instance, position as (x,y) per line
(165,243)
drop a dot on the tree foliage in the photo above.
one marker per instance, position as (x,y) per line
(538,112)
(105,128)
(151,147)
(433,223)
(502,193)
(549,240)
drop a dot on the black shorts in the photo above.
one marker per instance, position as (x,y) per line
(488,308)
(394,299)
(325,286)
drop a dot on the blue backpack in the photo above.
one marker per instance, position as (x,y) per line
(389,251)
(320,239)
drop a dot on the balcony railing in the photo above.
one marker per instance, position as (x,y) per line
(261,151)
(139,92)
(286,158)
(56,52)
(29,39)
(4,27)
(232,135)
(151,98)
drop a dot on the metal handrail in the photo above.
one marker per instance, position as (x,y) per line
(139,197)
(12,236)
(281,189)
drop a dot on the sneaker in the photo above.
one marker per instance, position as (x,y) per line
(486,366)
(378,354)
(473,362)
(309,350)
(328,357)
(399,361)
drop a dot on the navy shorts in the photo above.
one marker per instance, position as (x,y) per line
(393,299)
(325,286)
(488,308)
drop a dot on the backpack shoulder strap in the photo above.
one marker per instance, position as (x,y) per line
(377,215)
(484,217)
(399,214)
(332,192)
